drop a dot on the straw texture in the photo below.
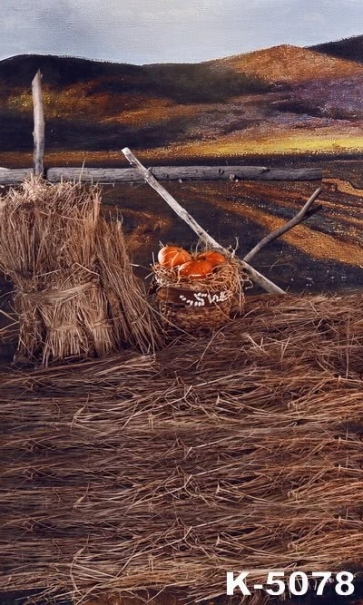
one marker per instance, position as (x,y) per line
(241,450)
(74,289)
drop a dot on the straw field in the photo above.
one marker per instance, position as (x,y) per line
(238,450)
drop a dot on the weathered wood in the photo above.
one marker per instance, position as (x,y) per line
(39,127)
(195,173)
(12,177)
(257,277)
(163,173)
(296,220)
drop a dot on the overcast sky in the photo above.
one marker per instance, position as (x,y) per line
(158,31)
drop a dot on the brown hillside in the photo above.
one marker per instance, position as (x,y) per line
(290,64)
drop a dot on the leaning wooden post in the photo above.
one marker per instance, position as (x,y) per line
(38,133)
(259,279)
(304,213)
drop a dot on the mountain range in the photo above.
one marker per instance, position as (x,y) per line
(284,99)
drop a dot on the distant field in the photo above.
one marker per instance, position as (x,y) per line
(273,142)
(303,147)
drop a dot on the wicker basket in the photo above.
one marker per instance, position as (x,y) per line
(202,305)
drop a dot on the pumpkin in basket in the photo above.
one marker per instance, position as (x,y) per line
(213,256)
(198,268)
(172,256)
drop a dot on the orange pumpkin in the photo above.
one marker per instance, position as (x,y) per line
(172,256)
(195,268)
(214,257)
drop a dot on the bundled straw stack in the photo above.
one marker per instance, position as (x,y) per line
(74,289)
(237,451)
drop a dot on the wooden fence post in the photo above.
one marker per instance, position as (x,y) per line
(38,133)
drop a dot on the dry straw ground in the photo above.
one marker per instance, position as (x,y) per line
(238,450)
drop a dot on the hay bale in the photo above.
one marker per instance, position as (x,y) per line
(241,450)
(74,289)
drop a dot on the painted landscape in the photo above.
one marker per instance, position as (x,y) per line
(285,99)
(283,106)
(255,430)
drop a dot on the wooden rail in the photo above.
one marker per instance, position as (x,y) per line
(166,173)
(181,173)
(11,177)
